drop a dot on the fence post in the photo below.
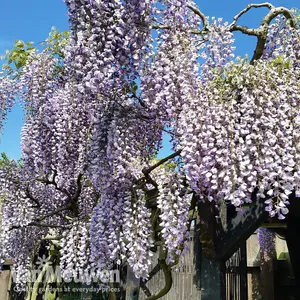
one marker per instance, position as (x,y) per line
(4,284)
(212,279)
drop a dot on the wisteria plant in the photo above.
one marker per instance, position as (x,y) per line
(97,107)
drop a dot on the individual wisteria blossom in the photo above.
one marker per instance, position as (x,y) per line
(95,124)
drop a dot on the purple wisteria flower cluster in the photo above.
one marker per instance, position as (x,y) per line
(7,97)
(248,135)
(94,125)
(174,203)
(266,240)
(75,253)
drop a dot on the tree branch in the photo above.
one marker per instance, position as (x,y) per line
(146,171)
(36,224)
(274,12)
(53,213)
(52,237)
(162,161)
(161,27)
(145,118)
(245,30)
(262,31)
(200,14)
(73,199)
(266,4)
(47,181)
(140,101)
(168,279)
(79,187)
(30,196)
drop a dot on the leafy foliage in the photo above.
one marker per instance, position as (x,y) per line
(57,42)
(18,56)
(3,160)
(98,101)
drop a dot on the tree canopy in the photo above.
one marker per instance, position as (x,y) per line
(98,101)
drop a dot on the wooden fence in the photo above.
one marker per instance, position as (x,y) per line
(184,278)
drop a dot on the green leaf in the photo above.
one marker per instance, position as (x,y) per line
(19,64)
(4,160)
(19,44)
(28,44)
(133,87)
(4,157)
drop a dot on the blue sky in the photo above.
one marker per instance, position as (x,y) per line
(31,20)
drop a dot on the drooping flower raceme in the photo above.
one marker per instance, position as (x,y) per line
(266,240)
(247,134)
(7,97)
(92,131)
(174,203)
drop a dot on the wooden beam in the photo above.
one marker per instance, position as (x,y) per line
(233,229)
